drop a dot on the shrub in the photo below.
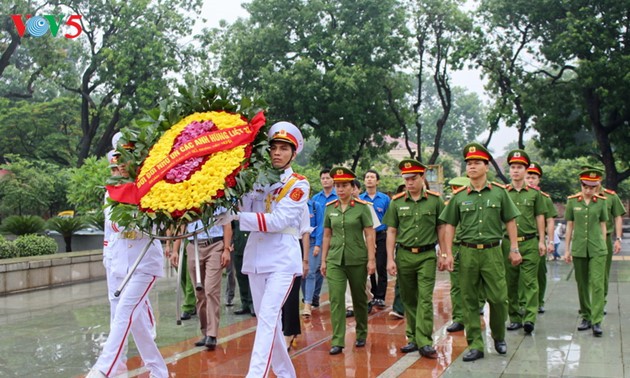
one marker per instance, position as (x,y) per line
(67,227)
(35,245)
(23,224)
(7,249)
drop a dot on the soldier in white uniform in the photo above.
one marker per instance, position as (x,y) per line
(272,255)
(130,312)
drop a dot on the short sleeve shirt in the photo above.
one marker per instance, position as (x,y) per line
(615,209)
(415,221)
(480,214)
(587,240)
(530,203)
(381,204)
(347,244)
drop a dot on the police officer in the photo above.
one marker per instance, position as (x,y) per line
(480,209)
(531,243)
(413,223)
(348,255)
(534,174)
(272,256)
(586,216)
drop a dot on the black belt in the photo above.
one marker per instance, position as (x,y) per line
(480,246)
(525,237)
(422,248)
(206,242)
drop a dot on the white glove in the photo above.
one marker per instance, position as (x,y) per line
(225,218)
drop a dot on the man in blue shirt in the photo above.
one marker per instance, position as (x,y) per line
(312,283)
(381,203)
(327,194)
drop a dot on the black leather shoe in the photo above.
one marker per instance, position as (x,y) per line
(211,342)
(370,306)
(541,310)
(349,313)
(584,325)
(455,327)
(597,330)
(514,326)
(202,342)
(380,303)
(528,327)
(242,311)
(186,315)
(500,346)
(428,352)
(410,347)
(472,355)
(335,350)
(360,343)
(315,302)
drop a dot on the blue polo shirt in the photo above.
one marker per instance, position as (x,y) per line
(323,200)
(381,203)
(316,213)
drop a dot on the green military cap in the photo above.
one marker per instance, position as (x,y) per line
(518,156)
(475,151)
(459,181)
(411,167)
(591,177)
(535,168)
(342,174)
(600,169)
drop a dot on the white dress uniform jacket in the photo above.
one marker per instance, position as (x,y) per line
(273,244)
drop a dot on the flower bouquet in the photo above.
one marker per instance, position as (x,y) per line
(187,159)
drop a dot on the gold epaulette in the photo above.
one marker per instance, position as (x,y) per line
(600,196)
(397,196)
(332,202)
(498,184)
(359,200)
(575,195)
(299,176)
(433,193)
(459,189)
(545,194)
(608,191)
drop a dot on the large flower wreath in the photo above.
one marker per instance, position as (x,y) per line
(188,159)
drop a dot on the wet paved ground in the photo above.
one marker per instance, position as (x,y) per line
(58,333)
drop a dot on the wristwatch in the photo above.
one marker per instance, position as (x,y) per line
(618,239)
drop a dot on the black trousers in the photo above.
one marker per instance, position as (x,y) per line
(379,279)
(291,310)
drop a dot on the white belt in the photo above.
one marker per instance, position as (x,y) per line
(289,231)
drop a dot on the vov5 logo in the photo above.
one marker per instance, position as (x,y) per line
(38,26)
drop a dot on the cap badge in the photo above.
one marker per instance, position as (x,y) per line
(517,154)
(407,165)
(340,171)
(472,149)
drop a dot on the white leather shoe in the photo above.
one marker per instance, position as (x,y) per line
(95,374)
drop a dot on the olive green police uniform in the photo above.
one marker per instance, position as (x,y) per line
(588,248)
(416,224)
(615,209)
(346,262)
(550,213)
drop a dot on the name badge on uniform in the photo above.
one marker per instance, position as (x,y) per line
(577,208)
(334,214)
(404,208)
(465,203)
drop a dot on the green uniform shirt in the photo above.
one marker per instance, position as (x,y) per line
(480,214)
(587,240)
(530,203)
(551,209)
(347,244)
(415,221)
(615,209)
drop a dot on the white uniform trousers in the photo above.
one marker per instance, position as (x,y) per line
(131,313)
(368,292)
(269,291)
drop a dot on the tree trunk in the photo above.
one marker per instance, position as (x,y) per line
(68,241)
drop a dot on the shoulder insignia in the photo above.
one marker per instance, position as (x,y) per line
(359,200)
(600,196)
(498,184)
(299,176)
(433,193)
(459,189)
(332,202)
(545,194)
(534,187)
(399,195)
(609,191)
(575,195)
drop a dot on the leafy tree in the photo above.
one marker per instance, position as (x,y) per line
(67,227)
(86,187)
(319,63)
(23,224)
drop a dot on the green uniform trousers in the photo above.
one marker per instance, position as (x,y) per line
(589,276)
(542,280)
(522,279)
(337,277)
(189,301)
(243,281)
(416,277)
(609,245)
(400,308)
(457,312)
(483,268)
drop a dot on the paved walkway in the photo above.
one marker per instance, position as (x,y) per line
(58,333)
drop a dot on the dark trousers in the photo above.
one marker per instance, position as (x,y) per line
(379,279)
(291,310)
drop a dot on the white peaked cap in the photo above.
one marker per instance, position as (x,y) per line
(287,132)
